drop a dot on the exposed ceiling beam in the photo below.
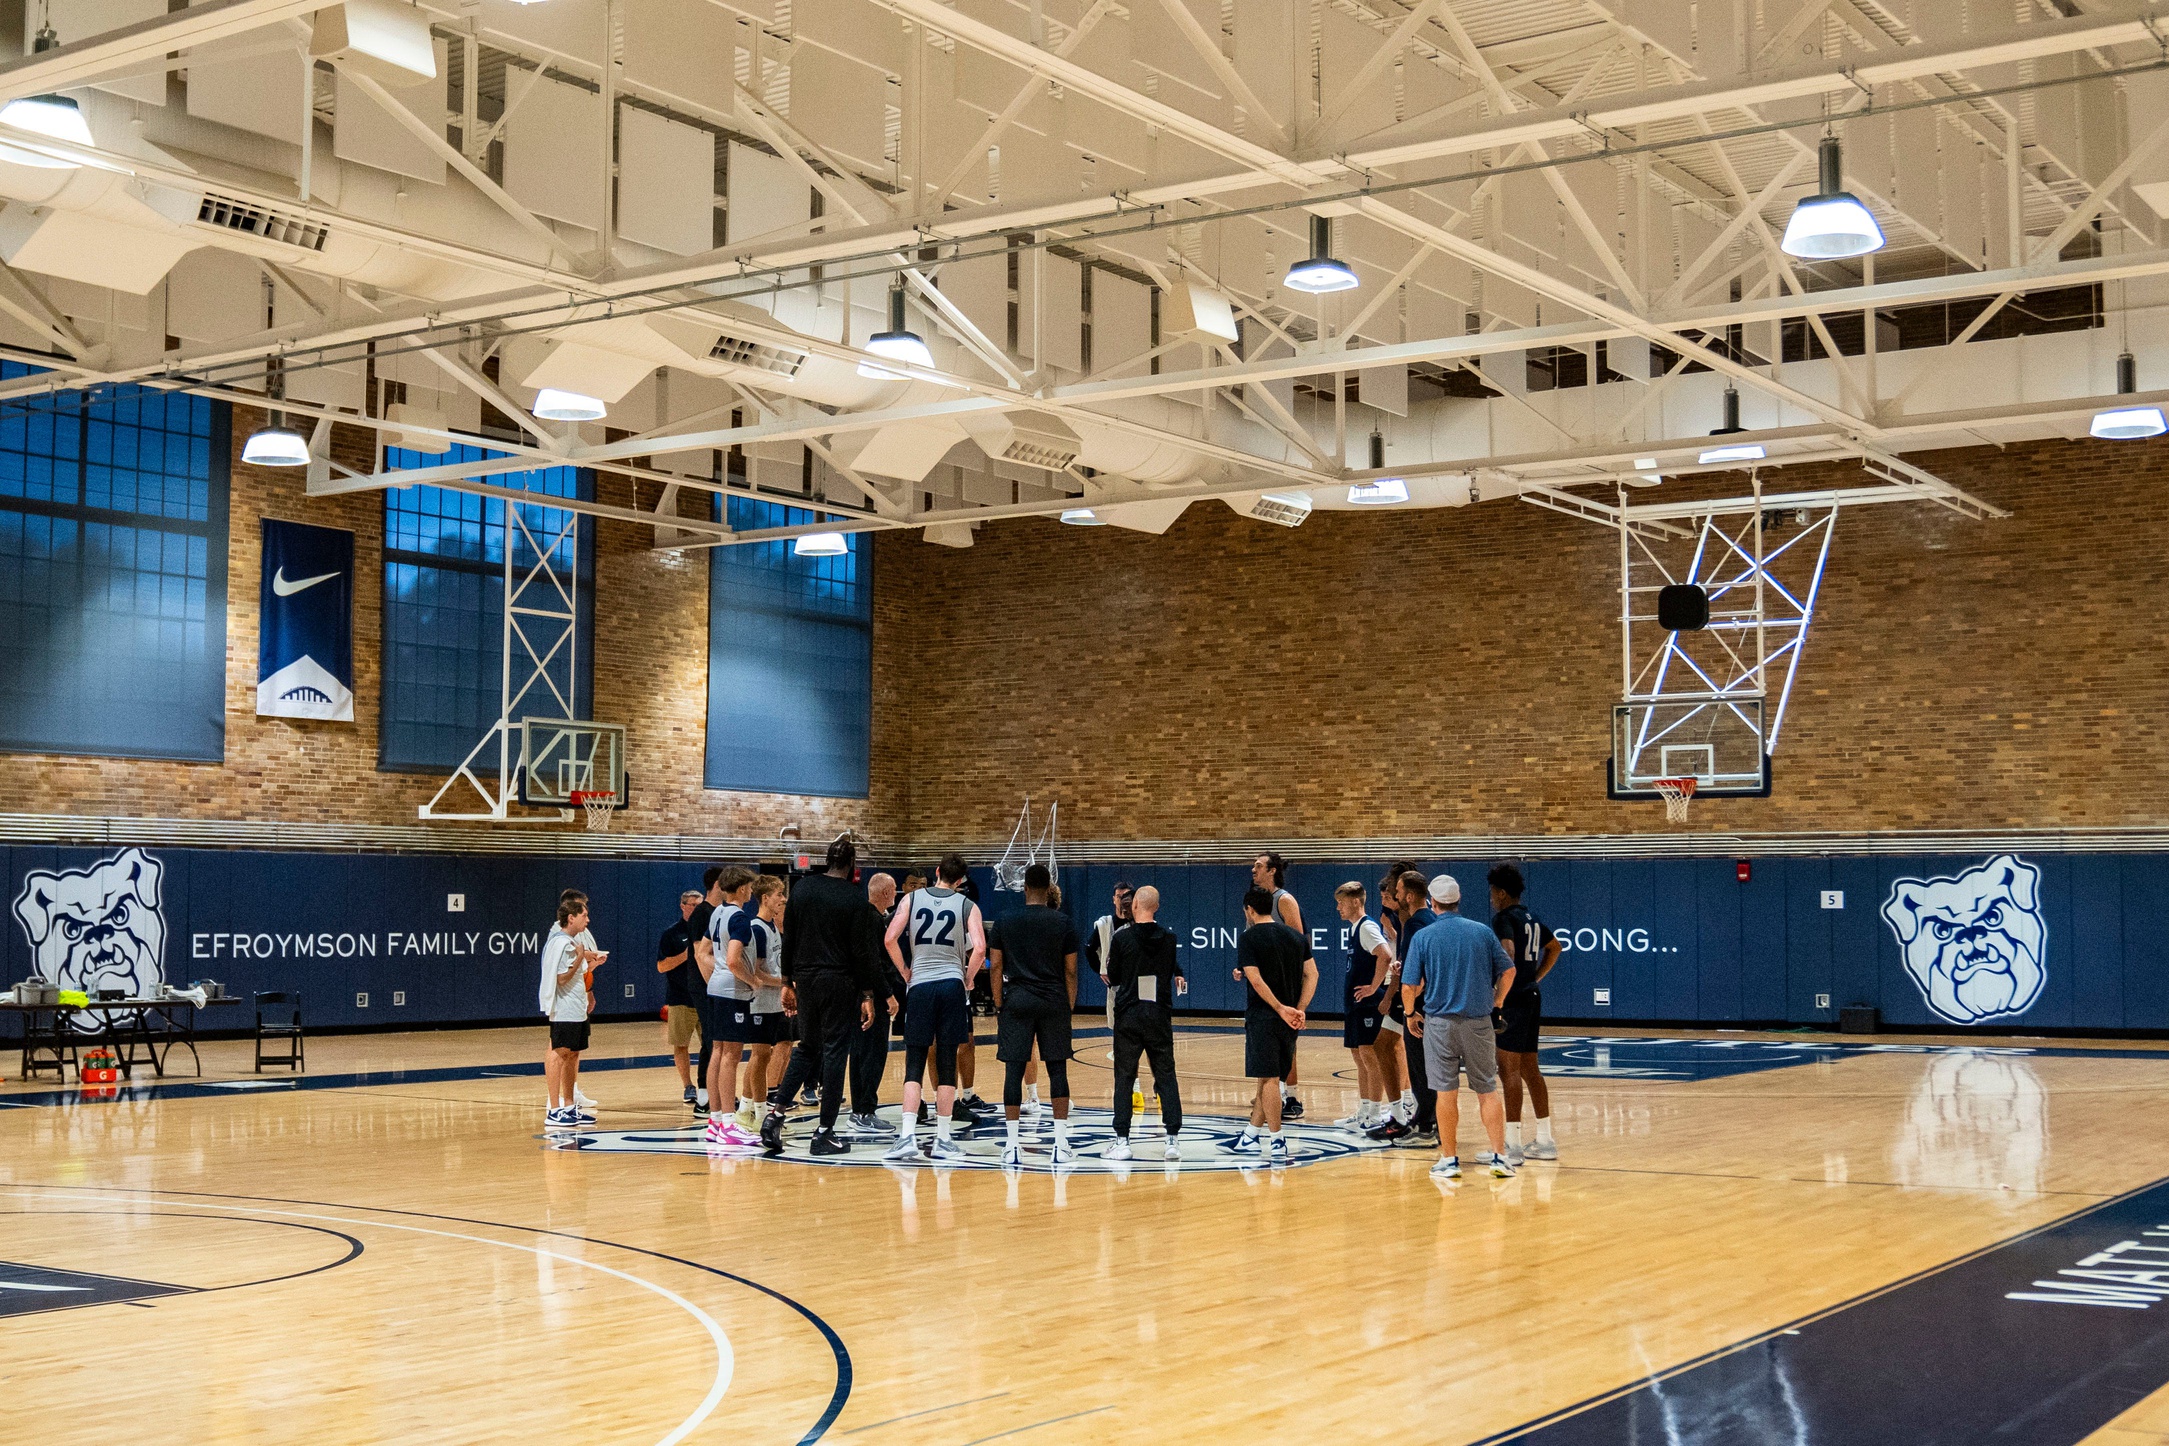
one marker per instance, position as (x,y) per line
(80,62)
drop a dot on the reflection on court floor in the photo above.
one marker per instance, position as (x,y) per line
(1658,1060)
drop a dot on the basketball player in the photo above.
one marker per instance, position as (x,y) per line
(1370,966)
(1098,946)
(697,922)
(1144,977)
(831,938)
(568,971)
(1534,949)
(1420,1130)
(948,946)
(729,999)
(681,1013)
(870,1045)
(1035,990)
(1270,871)
(760,948)
(1277,964)
(580,1100)
(1454,976)
(970,1108)
(1392,1063)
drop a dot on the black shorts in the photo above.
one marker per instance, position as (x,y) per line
(1032,1018)
(735,1022)
(1524,1012)
(568,1034)
(936,1014)
(776,1027)
(1268,1046)
(1360,1019)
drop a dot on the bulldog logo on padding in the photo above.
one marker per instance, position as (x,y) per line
(1973,943)
(98,928)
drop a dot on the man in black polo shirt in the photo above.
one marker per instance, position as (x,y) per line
(1035,989)
(1143,978)
(831,940)
(681,1016)
(1276,963)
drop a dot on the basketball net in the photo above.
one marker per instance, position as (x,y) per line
(1677,793)
(599,807)
(1028,845)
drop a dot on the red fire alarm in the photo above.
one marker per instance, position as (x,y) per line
(1743,869)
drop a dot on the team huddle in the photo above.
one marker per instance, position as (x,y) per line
(795,994)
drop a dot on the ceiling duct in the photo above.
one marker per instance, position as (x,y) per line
(1027,439)
(1282,509)
(739,351)
(281,228)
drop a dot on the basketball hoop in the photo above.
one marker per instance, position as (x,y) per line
(599,807)
(1677,792)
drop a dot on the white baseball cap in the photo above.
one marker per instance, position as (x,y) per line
(1445,889)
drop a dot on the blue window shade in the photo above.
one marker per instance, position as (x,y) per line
(113,573)
(444,601)
(790,662)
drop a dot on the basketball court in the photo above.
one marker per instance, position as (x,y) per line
(1612,546)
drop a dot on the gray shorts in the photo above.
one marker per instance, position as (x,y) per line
(1453,1043)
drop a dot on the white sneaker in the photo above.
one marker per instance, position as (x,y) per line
(1514,1156)
(1064,1155)
(1501,1167)
(905,1148)
(1012,1157)
(947,1151)
(582,1115)
(1249,1145)
(1448,1168)
(1542,1150)
(1030,1110)
(1356,1121)
(1276,1152)
(1172,1152)
(1117,1149)
(579,1097)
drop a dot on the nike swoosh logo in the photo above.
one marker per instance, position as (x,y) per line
(283,588)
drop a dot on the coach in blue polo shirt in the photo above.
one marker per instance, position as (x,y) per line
(1455,975)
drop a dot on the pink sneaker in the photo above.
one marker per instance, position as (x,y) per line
(730,1135)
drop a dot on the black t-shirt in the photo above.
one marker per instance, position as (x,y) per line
(1525,938)
(1034,944)
(698,924)
(681,985)
(1277,952)
(1143,951)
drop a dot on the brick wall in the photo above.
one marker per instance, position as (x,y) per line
(651,631)
(1451,671)
(1398,673)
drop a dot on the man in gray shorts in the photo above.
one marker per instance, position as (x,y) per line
(1454,975)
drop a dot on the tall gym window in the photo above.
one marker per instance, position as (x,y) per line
(444,608)
(790,662)
(113,572)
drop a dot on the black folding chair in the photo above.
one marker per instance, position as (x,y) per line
(49,1043)
(280,1033)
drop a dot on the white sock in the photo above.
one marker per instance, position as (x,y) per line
(1543,1130)
(967,1095)
(1408,1097)
(1012,1134)
(1061,1132)
(1286,1091)
(702,1096)
(1031,1092)
(941,1127)
(1513,1134)
(1274,1138)
(1250,1132)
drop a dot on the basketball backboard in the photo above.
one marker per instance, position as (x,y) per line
(1718,742)
(563,756)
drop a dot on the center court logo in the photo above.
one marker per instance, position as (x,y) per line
(1974,943)
(1207,1143)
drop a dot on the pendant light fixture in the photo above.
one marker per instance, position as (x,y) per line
(820,544)
(2127,423)
(898,344)
(1738,452)
(1831,224)
(51,115)
(554,404)
(276,446)
(1321,272)
(1382,491)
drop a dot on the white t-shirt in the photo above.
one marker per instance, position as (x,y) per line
(564,1003)
(723,984)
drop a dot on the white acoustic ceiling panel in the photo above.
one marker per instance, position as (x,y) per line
(554,158)
(214,295)
(1385,388)
(1121,321)
(367,133)
(344,385)
(259,93)
(383,39)
(657,56)
(1050,310)
(83,19)
(89,249)
(979,287)
(568,27)
(842,103)
(767,193)
(666,183)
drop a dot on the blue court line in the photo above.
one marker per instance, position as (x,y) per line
(933,1411)
(837,1397)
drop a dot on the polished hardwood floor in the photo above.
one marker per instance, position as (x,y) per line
(406,1260)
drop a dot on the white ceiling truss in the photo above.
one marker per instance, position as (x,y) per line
(696,209)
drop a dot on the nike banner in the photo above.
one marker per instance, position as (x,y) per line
(305,652)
